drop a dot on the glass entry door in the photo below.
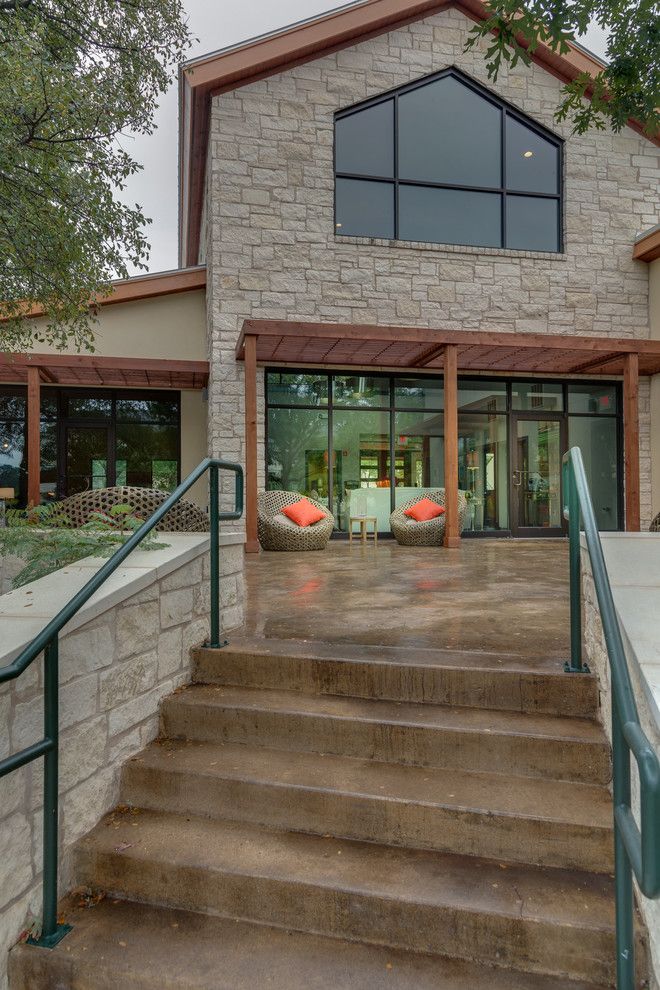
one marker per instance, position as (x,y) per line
(87,458)
(536,479)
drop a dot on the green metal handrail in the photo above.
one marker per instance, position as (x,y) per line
(47,642)
(636,850)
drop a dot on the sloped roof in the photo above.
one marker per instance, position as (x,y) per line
(259,57)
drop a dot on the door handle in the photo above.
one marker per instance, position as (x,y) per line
(517,478)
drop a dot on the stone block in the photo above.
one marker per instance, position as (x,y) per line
(176,607)
(137,628)
(183,577)
(90,648)
(127,680)
(15,857)
(82,751)
(78,700)
(170,652)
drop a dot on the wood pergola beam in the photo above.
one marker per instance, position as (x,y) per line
(251,532)
(33,436)
(452,531)
(631,441)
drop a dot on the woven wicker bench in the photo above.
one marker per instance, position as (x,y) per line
(184,517)
(278,532)
(410,533)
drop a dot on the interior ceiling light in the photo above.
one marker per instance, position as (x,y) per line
(528,154)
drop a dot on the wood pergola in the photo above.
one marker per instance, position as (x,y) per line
(34,370)
(283,343)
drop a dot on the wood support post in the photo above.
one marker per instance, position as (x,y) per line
(452,533)
(33,436)
(631,440)
(252,538)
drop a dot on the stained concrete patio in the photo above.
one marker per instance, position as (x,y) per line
(488,596)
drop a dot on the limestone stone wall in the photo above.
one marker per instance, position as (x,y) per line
(271,246)
(114,671)
(595,653)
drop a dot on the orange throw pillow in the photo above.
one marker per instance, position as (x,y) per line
(303,513)
(424,510)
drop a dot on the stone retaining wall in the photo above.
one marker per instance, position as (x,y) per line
(114,671)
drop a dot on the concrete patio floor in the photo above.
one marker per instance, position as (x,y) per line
(488,596)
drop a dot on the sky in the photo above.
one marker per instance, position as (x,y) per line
(215,24)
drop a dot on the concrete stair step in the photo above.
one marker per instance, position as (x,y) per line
(119,943)
(393,732)
(438,677)
(517,819)
(551,922)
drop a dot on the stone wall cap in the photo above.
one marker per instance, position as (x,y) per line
(26,610)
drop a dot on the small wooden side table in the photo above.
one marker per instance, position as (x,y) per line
(364,533)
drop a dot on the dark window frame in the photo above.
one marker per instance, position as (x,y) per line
(506,110)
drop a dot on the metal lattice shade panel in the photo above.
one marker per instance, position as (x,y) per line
(184,517)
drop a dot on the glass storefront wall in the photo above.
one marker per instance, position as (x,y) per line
(362,444)
(91,440)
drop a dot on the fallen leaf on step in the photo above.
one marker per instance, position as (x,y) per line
(123,846)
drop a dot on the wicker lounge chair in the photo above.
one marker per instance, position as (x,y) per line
(184,517)
(410,533)
(278,532)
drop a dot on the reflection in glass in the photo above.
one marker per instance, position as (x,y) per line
(532,162)
(361,441)
(297,452)
(482,393)
(597,439)
(449,134)
(360,390)
(592,398)
(419,392)
(418,454)
(88,407)
(86,458)
(364,209)
(532,224)
(364,141)
(48,483)
(12,406)
(161,410)
(450,216)
(483,470)
(296,390)
(537,395)
(144,447)
(537,474)
(13,458)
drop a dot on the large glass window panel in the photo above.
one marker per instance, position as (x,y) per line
(592,398)
(360,390)
(13,458)
(361,475)
(418,454)
(483,394)
(483,470)
(532,224)
(86,458)
(296,390)
(152,410)
(537,396)
(364,209)
(297,452)
(537,474)
(597,439)
(449,134)
(12,405)
(364,141)
(88,407)
(419,393)
(48,481)
(532,162)
(144,446)
(449,216)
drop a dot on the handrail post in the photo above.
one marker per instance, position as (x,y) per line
(623,887)
(575,666)
(214,508)
(51,932)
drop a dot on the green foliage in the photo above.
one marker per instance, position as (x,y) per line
(44,538)
(629,85)
(76,76)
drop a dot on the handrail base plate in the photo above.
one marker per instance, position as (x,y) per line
(50,941)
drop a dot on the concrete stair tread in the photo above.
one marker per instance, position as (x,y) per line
(415,656)
(430,716)
(490,793)
(129,841)
(120,943)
